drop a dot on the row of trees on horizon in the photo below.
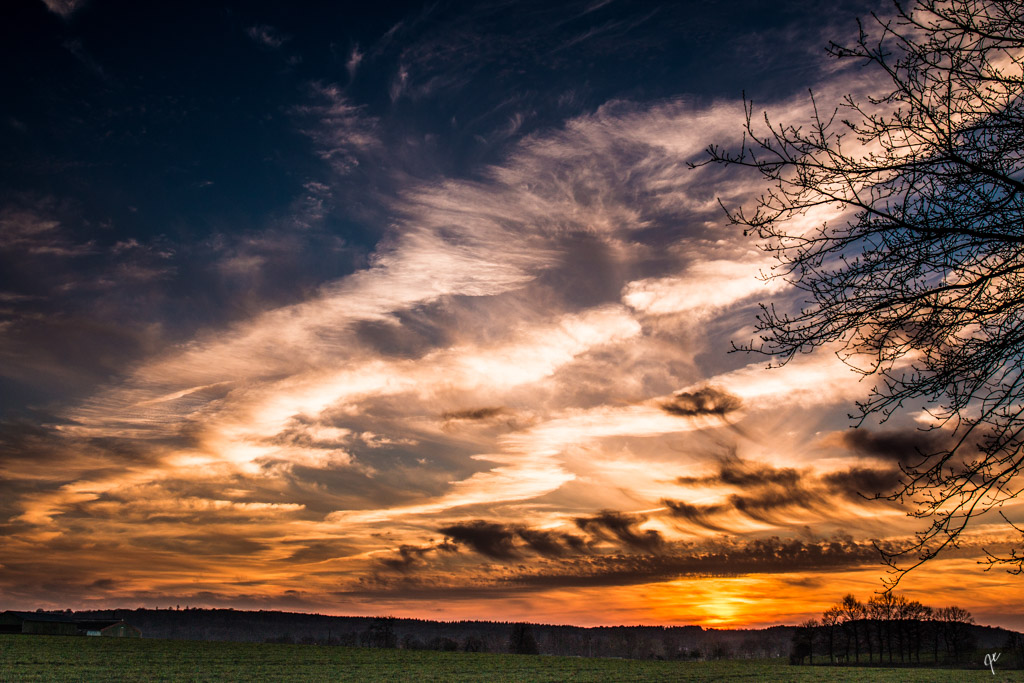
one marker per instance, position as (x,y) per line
(888,628)
(631,642)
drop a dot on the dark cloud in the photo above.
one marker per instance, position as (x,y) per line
(695,514)
(903,446)
(412,557)
(575,543)
(764,506)
(486,538)
(774,555)
(499,540)
(739,473)
(771,555)
(622,527)
(409,556)
(859,482)
(769,491)
(472,414)
(504,542)
(550,544)
(743,473)
(704,401)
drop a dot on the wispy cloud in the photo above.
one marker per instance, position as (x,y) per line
(65,8)
(343,134)
(268,36)
(355,57)
(27,230)
(704,288)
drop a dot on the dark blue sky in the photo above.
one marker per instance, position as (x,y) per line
(135,108)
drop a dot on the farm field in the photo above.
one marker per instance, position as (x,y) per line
(68,658)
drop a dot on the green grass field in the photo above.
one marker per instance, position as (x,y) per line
(66,658)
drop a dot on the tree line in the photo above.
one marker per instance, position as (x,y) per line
(632,642)
(887,629)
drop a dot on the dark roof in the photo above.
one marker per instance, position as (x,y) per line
(98,624)
(61,618)
(50,617)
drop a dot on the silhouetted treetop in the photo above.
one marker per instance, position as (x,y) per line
(919,279)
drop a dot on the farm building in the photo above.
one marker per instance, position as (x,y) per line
(58,624)
(109,627)
(42,623)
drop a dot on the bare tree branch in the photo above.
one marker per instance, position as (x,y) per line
(924,287)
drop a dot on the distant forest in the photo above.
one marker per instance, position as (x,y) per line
(849,638)
(891,630)
(633,642)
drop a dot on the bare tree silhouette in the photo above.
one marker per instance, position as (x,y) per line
(921,283)
(890,625)
(521,640)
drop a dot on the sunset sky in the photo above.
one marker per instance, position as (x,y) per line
(417,309)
